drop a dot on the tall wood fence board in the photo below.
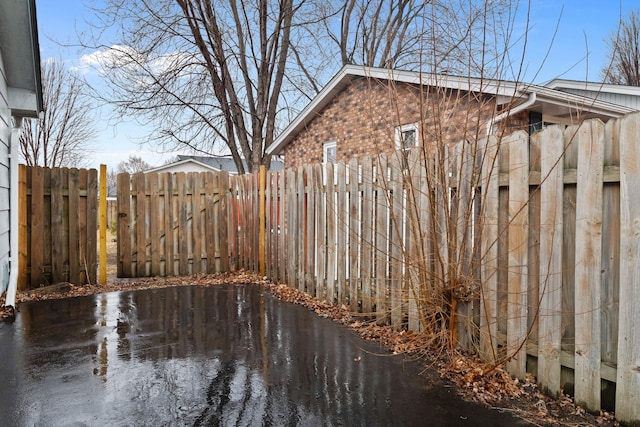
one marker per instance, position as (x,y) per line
(628,361)
(550,285)
(588,263)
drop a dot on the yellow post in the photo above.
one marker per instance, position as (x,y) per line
(262,218)
(103,224)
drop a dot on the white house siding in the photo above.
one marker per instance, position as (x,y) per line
(183,167)
(631,101)
(5,131)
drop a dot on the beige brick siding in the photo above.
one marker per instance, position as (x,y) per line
(363,117)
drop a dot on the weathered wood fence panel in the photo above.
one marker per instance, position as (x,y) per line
(60,208)
(537,229)
(172,224)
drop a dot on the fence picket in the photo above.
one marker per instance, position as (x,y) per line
(489,249)
(37,231)
(91,215)
(310,236)
(197,211)
(301,228)
(610,276)
(156,220)
(518,238)
(58,250)
(75,257)
(414,263)
(366,242)
(588,263)
(321,204)
(353,232)
(222,196)
(464,161)
(292,229)
(282,237)
(628,375)
(381,249)
(551,194)
(331,234)
(124,225)
(141,231)
(342,231)
(397,238)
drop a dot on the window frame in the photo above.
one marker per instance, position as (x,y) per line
(399,130)
(325,148)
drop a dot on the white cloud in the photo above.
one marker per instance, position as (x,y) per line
(105,59)
(128,59)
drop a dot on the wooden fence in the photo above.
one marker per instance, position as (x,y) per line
(58,224)
(539,237)
(172,224)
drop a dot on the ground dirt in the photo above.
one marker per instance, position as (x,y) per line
(491,386)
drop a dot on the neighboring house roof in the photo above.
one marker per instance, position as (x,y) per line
(207,163)
(619,94)
(185,165)
(21,53)
(221,163)
(550,102)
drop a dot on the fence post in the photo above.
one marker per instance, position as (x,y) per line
(103,224)
(262,220)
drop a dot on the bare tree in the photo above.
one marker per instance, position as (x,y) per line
(226,76)
(61,137)
(112,184)
(133,164)
(204,73)
(624,53)
(374,33)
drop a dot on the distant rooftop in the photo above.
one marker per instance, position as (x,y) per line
(226,163)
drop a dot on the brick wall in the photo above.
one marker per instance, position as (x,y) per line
(363,117)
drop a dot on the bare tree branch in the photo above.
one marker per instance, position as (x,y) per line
(624,53)
(62,136)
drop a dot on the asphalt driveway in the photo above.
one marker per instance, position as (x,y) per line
(226,355)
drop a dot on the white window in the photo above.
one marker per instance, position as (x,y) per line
(407,136)
(330,152)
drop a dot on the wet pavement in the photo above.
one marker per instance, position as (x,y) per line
(231,355)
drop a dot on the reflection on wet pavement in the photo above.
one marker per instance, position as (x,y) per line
(208,356)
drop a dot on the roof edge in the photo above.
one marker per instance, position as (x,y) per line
(347,72)
(504,88)
(35,42)
(181,162)
(558,84)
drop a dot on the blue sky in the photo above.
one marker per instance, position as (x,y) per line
(578,52)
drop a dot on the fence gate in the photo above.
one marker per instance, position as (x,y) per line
(172,224)
(58,225)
